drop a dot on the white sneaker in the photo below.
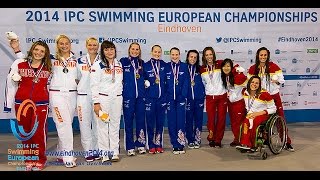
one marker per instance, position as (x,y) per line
(243,147)
(70,164)
(115,158)
(131,152)
(142,150)
(105,158)
(196,145)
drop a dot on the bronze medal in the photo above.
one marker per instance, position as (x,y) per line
(192,83)
(157,81)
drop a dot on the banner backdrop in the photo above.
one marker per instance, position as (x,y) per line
(292,36)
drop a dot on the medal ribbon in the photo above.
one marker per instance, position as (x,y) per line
(192,74)
(36,75)
(156,70)
(175,72)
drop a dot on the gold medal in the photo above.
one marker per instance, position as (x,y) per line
(157,81)
(177,82)
(137,76)
(192,83)
(35,79)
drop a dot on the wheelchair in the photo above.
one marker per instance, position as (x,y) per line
(269,135)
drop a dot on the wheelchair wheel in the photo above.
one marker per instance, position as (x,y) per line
(276,134)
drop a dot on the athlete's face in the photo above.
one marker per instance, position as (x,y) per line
(175,55)
(64,45)
(92,47)
(38,53)
(192,58)
(254,85)
(208,54)
(156,52)
(134,50)
(110,53)
(226,68)
(263,55)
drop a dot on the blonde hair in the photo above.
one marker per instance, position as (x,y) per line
(91,39)
(58,53)
(137,45)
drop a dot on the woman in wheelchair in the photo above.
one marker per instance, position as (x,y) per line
(259,104)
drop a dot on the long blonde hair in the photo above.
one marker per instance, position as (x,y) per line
(58,52)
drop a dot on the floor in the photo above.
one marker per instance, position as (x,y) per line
(305,137)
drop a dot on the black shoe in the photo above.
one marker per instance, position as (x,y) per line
(289,147)
(218,144)
(234,144)
(211,144)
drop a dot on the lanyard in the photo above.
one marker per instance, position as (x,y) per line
(250,102)
(156,70)
(36,75)
(136,70)
(211,71)
(175,72)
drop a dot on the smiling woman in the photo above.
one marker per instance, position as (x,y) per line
(179,28)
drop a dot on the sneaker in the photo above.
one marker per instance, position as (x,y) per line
(181,151)
(70,164)
(211,144)
(191,145)
(115,158)
(196,145)
(289,147)
(152,151)
(105,158)
(234,144)
(245,147)
(97,157)
(89,158)
(141,150)
(176,151)
(159,150)
(38,167)
(131,152)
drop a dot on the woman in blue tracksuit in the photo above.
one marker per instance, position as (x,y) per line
(155,76)
(133,100)
(195,101)
(177,83)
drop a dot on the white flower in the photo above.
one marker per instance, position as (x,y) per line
(16,77)
(146,83)
(11,35)
(240,69)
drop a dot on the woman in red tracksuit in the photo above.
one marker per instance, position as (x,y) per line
(234,81)
(216,96)
(259,105)
(271,79)
(26,86)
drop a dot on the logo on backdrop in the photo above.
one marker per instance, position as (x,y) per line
(22,111)
(238,40)
(122,40)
